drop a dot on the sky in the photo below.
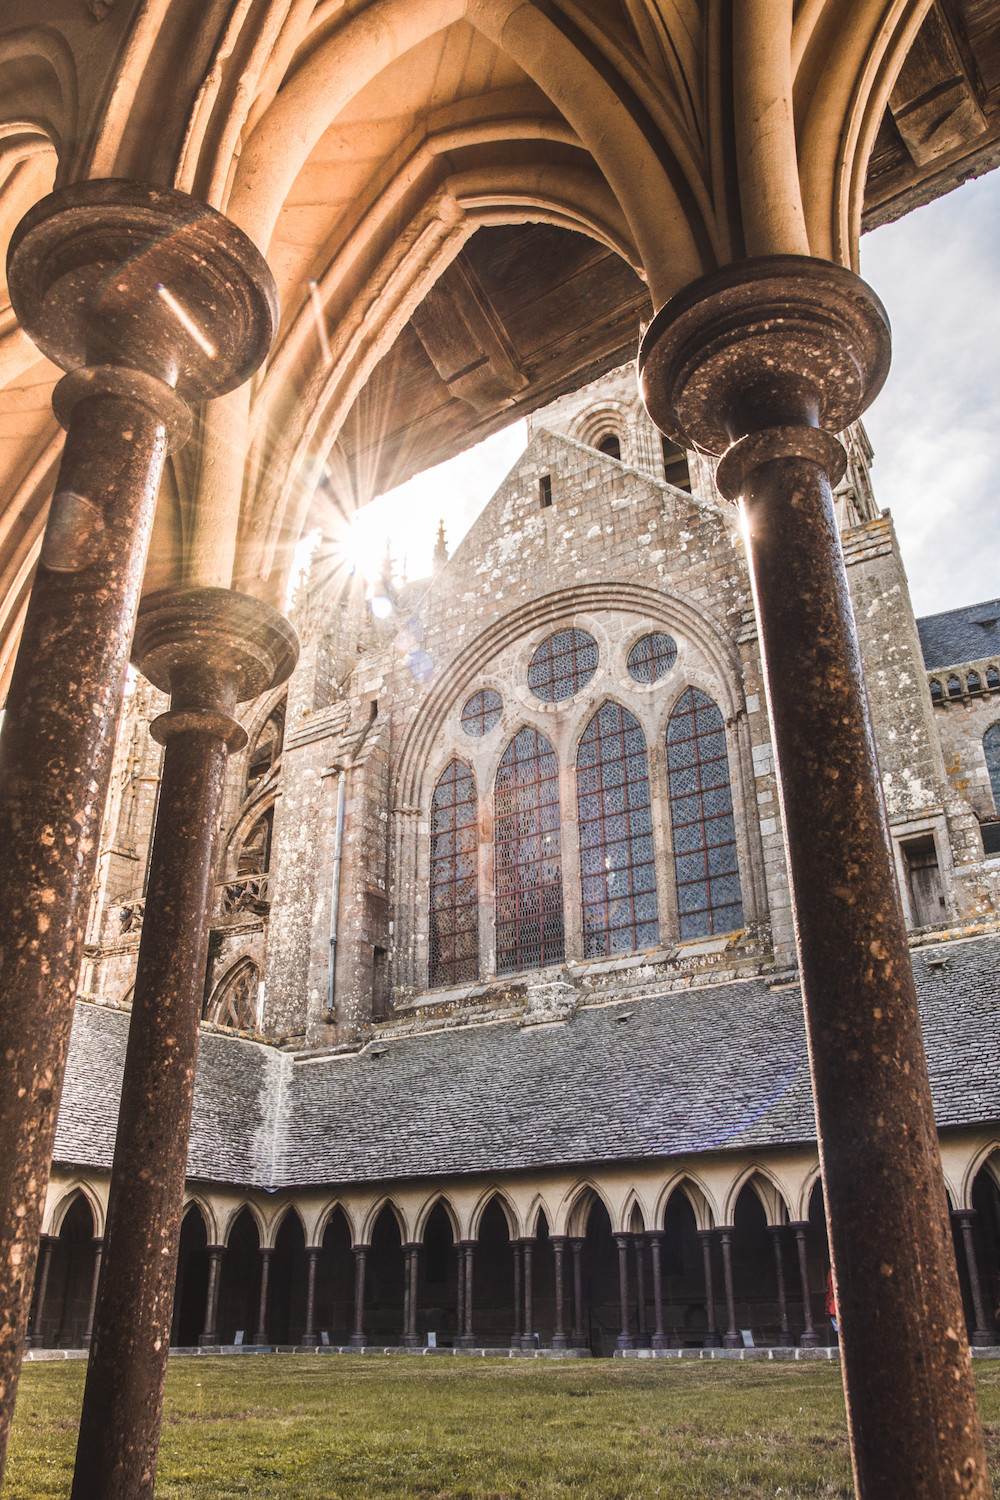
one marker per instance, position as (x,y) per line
(935,427)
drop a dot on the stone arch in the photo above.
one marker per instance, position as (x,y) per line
(767,1189)
(38,84)
(438,1200)
(604,417)
(234,1000)
(986,1156)
(580,1200)
(801,1205)
(633,1214)
(372,1215)
(250,816)
(79,1189)
(250,1207)
(506,1207)
(328,1213)
(198,1231)
(287,1211)
(206,1213)
(702,1204)
(538,1209)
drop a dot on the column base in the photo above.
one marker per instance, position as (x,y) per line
(412,1341)
(712,1341)
(661,1341)
(529,1341)
(34,1341)
(465,1341)
(809,1341)
(732,1340)
(560,1341)
(357,1341)
(85,1341)
(984,1338)
(515,1341)
(207,1341)
(309,1341)
(260,1338)
(785,1341)
(625,1341)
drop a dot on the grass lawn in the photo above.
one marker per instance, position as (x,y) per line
(351,1428)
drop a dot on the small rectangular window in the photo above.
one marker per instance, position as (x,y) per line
(991,839)
(545,491)
(924,879)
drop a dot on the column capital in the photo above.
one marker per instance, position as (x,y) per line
(774,343)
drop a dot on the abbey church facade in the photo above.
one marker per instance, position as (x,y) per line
(502,1033)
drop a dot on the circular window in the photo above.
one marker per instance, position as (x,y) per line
(481,712)
(651,658)
(562,665)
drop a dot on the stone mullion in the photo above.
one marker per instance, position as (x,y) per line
(663,844)
(570,847)
(487,893)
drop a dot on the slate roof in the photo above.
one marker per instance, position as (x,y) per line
(960,635)
(716,1068)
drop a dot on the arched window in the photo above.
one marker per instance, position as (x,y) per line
(991,748)
(618,877)
(563,664)
(973,684)
(701,815)
(675,465)
(954,687)
(992,679)
(529,902)
(610,445)
(937,691)
(266,747)
(235,1000)
(454,927)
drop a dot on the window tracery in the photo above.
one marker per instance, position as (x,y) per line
(454,883)
(482,712)
(651,657)
(266,747)
(234,1002)
(991,749)
(709,898)
(528,868)
(618,875)
(563,664)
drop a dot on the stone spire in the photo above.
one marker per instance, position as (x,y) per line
(440,548)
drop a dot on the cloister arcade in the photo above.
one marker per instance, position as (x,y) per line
(642,1259)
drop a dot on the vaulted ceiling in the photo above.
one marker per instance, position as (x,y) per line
(469,206)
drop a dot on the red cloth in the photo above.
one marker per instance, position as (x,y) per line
(831,1301)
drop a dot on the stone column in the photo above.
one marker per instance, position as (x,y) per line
(211,648)
(209,1334)
(579,1331)
(412,1273)
(712,1340)
(982,1333)
(731,1338)
(527,1334)
(640,1288)
(625,1339)
(660,1340)
(559,1339)
(45,1262)
(810,1338)
(764,362)
(785,1338)
(266,1255)
(88,1331)
(309,1338)
(518,1254)
(96,272)
(358,1339)
(465,1339)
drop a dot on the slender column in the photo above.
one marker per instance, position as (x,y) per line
(982,1333)
(465,1338)
(460,1293)
(640,1287)
(518,1254)
(209,1334)
(211,649)
(712,1340)
(625,1339)
(731,1338)
(48,1244)
(660,1340)
(810,1338)
(527,1335)
(764,362)
(559,1339)
(88,1331)
(785,1339)
(412,1273)
(358,1339)
(579,1329)
(309,1338)
(90,269)
(266,1254)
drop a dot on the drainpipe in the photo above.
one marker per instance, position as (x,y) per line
(343,770)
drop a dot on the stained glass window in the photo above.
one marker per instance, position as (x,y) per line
(991,747)
(481,712)
(454,883)
(618,879)
(701,815)
(562,665)
(652,657)
(529,902)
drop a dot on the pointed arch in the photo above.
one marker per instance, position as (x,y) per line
(696,1196)
(986,1157)
(617,862)
(454,878)
(706,867)
(71,1195)
(234,1000)
(581,1200)
(499,1197)
(290,1211)
(442,1201)
(204,1210)
(527,856)
(767,1190)
(374,1213)
(228,1223)
(327,1216)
